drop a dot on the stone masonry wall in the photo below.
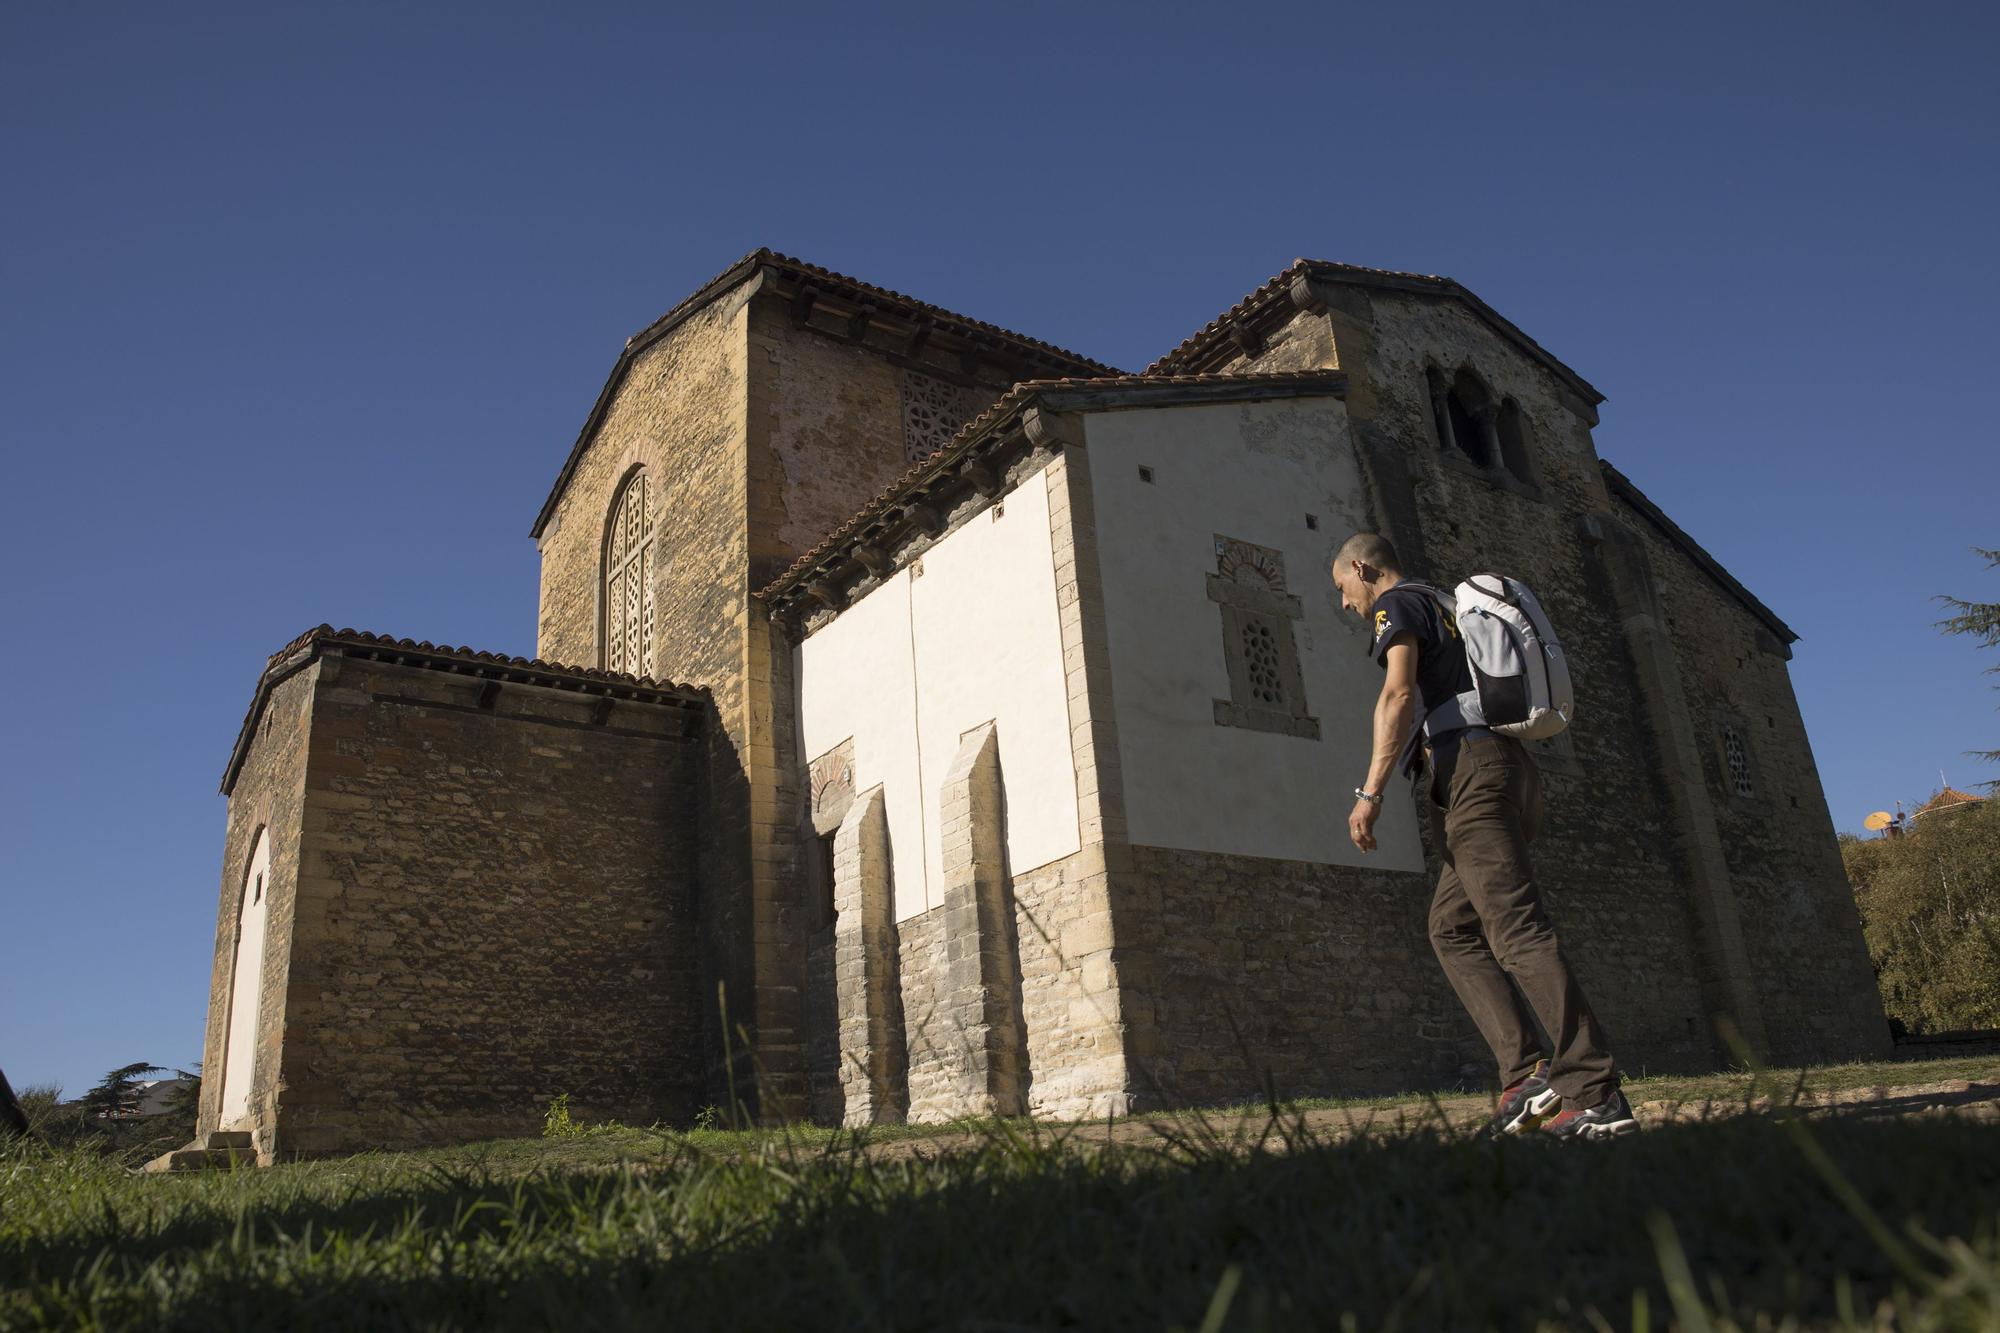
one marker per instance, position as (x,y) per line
(681,414)
(920,967)
(1317,978)
(496,905)
(1627,921)
(827,426)
(1075,1067)
(1800,924)
(1803,958)
(269,792)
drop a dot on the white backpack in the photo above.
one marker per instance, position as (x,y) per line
(1520,678)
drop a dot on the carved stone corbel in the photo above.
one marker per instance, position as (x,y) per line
(803,303)
(828,594)
(874,559)
(925,516)
(1049,430)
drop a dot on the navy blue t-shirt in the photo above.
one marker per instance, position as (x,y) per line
(1442,671)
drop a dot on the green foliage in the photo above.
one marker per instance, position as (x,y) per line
(1982,621)
(184,1103)
(1930,908)
(557,1124)
(1725,1224)
(117,1094)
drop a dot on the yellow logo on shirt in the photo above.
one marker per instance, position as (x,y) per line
(1381,623)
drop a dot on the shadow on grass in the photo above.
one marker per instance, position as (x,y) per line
(1419,1227)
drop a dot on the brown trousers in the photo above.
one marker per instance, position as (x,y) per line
(1491,935)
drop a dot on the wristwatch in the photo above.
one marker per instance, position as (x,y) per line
(1374,796)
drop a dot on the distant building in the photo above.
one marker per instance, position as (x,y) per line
(1947,800)
(156,1096)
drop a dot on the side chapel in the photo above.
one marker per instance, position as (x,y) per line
(927,720)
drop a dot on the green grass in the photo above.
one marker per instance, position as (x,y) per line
(601,1146)
(1758,1220)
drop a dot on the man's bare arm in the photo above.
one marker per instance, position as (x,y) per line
(1395,709)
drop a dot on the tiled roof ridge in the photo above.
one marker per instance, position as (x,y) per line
(303,649)
(764,254)
(325,633)
(1007,404)
(739,272)
(1203,338)
(1939,800)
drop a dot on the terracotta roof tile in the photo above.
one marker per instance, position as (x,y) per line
(1947,798)
(442,656)
(363,638)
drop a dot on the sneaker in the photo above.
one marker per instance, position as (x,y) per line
(1526,1103)
(1609,1119)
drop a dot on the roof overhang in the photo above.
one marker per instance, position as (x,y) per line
(325,640)
(1245,326)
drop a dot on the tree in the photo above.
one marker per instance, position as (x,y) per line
(115,1097)
(1930,910)
(1982,621)
(185,1101)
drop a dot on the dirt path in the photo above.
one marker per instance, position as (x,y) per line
(1976,1098)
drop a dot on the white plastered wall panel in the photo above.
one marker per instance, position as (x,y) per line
(856,679)
(927,656)
(1252,472)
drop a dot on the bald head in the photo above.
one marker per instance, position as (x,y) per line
(1371,549)
(1364,568)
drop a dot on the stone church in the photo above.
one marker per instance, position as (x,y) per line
(927,720)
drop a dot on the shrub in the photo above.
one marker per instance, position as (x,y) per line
(1930,908)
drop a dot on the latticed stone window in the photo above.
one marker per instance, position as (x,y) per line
(1266,690)
(933,412)
(1737,755)
(628,581)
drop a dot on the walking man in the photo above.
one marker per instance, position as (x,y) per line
(1486,920)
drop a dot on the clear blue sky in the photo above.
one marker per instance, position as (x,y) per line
(301,308)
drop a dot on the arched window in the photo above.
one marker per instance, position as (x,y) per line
(628,580)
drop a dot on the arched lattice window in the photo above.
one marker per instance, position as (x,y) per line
(628,581)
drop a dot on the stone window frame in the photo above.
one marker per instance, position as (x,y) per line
(630,550)
(1746,786)
(1248,588)
(1502,452)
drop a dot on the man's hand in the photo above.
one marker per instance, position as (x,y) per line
(1361,823)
